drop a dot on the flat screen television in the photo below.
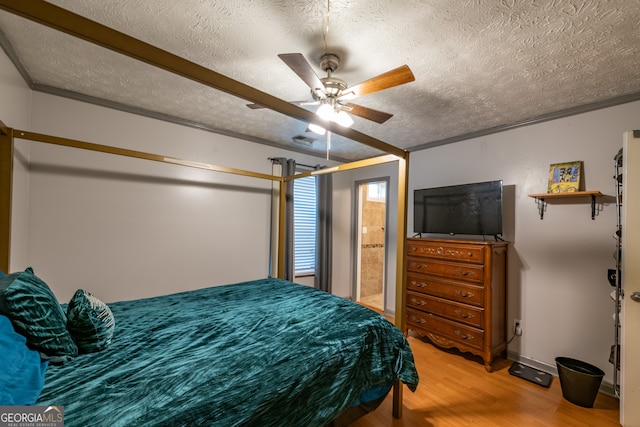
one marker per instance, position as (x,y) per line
(473,209)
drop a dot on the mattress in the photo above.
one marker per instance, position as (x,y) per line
(260,353)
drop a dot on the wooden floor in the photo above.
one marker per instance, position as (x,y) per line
(455,390)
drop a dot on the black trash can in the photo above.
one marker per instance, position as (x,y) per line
(579,381)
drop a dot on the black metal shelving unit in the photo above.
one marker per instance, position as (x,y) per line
(615,277)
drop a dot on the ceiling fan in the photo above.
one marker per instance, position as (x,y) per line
(333,94)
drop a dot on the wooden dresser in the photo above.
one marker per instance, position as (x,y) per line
(456,294)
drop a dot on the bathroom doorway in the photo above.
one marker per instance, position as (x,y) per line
(371,218)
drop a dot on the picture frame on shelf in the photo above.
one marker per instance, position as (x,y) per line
(565,177)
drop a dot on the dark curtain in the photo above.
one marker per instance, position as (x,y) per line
(289,264)
(323,232)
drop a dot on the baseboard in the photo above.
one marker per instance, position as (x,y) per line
(605,387)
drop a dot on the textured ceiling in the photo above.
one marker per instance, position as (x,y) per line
(480,65)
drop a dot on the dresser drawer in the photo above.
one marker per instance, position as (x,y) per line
(473,316)
(451,270)
(451,290)
(446,251)
(444,328)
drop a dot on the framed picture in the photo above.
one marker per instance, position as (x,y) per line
(565,177)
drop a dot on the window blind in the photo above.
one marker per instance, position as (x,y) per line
(305,210)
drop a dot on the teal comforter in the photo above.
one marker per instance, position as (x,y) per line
(260,353)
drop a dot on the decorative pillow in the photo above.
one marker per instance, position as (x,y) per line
(22,374)
(35,313)
(90,322)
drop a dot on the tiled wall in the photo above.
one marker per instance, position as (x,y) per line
(371,274)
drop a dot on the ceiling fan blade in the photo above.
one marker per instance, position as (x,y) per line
(396,77)
(258,106)
(306,102)
(368,113)
(300,66)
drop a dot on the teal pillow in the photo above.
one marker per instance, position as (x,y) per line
(90,322)
(36,314)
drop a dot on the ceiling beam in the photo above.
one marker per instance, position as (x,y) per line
(78,26)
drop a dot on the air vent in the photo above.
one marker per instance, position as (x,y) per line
(303,139)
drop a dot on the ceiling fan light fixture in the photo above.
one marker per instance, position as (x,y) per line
(343,119)
(326,111)
(316,129)
(329,112)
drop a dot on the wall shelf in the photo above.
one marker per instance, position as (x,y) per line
(543,198)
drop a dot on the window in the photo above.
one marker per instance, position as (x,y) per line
(305,203)
(377,191)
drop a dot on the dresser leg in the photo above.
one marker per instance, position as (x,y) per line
(487,364)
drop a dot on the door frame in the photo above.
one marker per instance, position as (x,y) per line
(356,234)
(630,309)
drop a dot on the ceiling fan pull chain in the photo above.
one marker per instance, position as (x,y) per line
(328,143)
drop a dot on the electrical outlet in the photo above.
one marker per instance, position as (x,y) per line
(517,327)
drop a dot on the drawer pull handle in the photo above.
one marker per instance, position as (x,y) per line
(464,273)
(418,302)
(464,315)
(464,294)
(464,336)
(420,284)
(415,319)
(421,265)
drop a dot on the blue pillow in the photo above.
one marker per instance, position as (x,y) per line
(35,313)
(22,374)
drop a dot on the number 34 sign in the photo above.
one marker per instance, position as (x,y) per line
(565,177)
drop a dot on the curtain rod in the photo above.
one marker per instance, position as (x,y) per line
(297,164)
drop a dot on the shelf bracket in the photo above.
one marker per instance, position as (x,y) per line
(593,207)
(541,206)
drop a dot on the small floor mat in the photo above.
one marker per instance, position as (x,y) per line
(528,373)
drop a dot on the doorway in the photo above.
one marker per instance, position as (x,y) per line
(371,230)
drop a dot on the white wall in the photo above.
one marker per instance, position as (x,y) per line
(342,268)
(127,228)
(15,98)
(557,278)
(15,112)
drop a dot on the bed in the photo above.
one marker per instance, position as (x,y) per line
(348,406)
(266,353)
